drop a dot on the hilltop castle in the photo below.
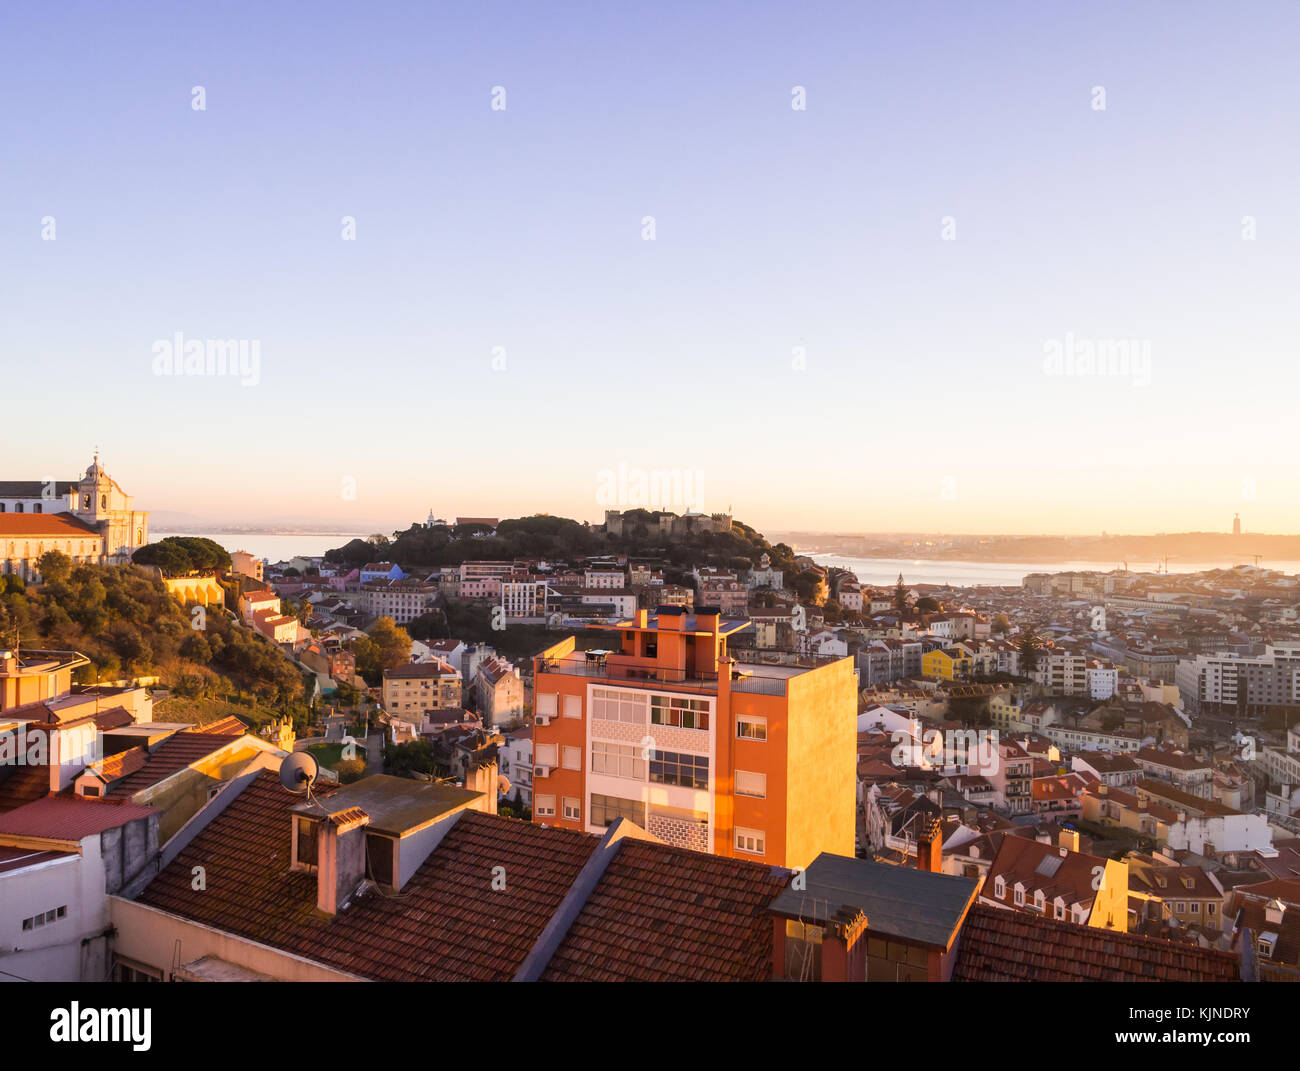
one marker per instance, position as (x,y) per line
(666,525)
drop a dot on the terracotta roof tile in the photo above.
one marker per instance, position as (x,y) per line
(997,945)
(228,726)
(69,818)
(447,924)
(23,785)
(706,920)
(175,753)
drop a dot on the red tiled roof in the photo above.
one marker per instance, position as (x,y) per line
(23,785)
(175,753)
(228,726)
(113,718)
(115,767)
(706,921)
(39,524)
(1011,946)
(69,818)
(447,924)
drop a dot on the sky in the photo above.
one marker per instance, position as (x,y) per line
(599,257)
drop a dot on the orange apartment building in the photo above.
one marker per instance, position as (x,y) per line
(701,750)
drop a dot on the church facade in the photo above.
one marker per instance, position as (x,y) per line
(90,520)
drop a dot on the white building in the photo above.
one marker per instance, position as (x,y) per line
(516,756)
(1102,682)
(60,860)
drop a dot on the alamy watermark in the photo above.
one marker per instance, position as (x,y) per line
(178,356)
(660,488)
(1114,357)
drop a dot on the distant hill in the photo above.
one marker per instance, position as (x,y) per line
(560,538)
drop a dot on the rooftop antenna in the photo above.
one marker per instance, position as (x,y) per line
(298,773)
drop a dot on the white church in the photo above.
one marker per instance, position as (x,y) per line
(91,520)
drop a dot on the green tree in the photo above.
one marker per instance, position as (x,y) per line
(393,643)
(54,566)
(900,599)
(1029,646)
(415,756)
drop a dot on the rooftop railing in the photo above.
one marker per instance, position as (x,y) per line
(754,683)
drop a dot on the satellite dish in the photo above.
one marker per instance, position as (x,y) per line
(298,772)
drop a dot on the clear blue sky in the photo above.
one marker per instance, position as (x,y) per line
(923,403)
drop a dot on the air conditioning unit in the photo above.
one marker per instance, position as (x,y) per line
(542,719)
(542,771)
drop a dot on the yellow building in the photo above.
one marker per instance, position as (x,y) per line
(952,664)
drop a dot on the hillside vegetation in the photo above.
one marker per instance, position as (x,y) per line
(124,620)
(560,538)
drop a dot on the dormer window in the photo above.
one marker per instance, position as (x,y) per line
(1020,896)
(1000,887)
(304,843)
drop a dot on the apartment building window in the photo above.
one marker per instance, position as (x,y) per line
(572,810)
(545,806)
(680,712)
(606,810)
(628,707)
(546,703)
(749,840)
(749,727)
(573,706)
(1211,909)
(129,971)
(572,757)
(618,760)
(546,755)
(679,768)
(751,784)
(45,918)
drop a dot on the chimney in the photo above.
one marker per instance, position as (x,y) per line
(643,619)
(1069,839)
(706,618)
(929,848)
(1103,789)
(340,858)
(481,776)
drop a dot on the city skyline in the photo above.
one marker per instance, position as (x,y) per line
(476,276)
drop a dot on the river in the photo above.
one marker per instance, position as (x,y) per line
(273,546)
(884,571)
